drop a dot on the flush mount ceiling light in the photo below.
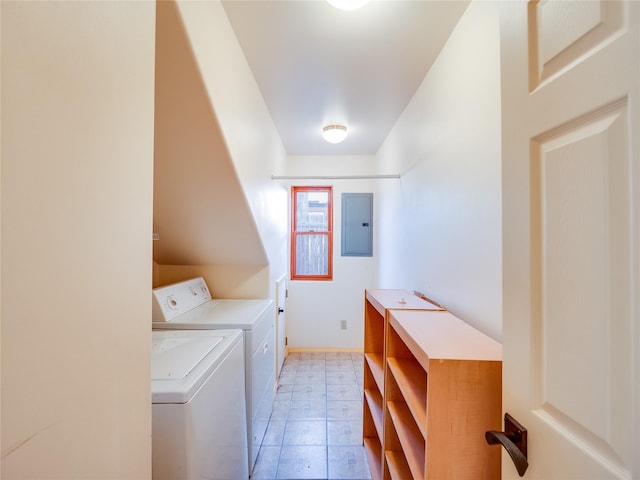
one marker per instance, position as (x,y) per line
(334,133)
(348,4)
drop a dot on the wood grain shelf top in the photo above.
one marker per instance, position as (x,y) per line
(397,299)
(440,335)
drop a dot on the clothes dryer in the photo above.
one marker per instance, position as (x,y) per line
(198,405)
(189,305)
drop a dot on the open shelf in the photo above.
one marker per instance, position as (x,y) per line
(373,452)
(373,401)
(443,390)
(397,466)
(376,365)
(412,382)
(411,440)
(400,382)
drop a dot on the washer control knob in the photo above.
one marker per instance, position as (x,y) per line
(172,303)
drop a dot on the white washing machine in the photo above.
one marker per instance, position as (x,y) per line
(199,410)
(188,305)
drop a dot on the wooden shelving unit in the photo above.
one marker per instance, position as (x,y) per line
(378,304)
(441,390)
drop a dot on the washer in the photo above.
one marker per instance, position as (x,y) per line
(188,305)
(199,409)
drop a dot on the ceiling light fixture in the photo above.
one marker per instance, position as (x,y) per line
(334,133)
(348,4)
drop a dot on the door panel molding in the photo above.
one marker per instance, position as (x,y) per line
(581,290)
(562,34)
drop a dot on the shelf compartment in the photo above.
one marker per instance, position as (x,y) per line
(376,366)
(373,452)
(397,466)
(375,322)
(411,379)
(393,452)
(412,442)
(373,404)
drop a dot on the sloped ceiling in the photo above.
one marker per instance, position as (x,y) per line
(200,211)
(316,64)
(313,64)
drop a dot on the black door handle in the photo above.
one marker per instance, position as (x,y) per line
(514,440)
(280,309)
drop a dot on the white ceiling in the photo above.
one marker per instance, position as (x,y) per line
(316,64)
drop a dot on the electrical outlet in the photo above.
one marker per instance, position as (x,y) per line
(343,324)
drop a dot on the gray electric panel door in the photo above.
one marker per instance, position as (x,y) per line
(357,224)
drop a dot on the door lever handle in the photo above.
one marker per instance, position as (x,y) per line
(514,440)
(280,309)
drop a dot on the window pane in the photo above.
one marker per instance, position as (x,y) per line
(312,252)
(312,213)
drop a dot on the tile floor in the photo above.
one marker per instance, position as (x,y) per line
(315,430)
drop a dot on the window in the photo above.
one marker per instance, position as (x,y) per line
(311,233)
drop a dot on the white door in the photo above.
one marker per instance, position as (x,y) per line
(571,213)
(281,313)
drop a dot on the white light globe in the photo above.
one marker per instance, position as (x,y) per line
(334,133)
(348,4)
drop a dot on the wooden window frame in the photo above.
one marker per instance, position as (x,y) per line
(329,233)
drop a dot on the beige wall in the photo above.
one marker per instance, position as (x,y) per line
(244,251)
(440,226)
(248,130)
(201,214)
(316,309)
(77,159)
(224,281)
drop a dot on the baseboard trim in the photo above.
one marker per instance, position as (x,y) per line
(318,350)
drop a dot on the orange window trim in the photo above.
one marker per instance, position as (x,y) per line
(328,233)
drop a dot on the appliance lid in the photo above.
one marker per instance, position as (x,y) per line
(176,356)
(183,360)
